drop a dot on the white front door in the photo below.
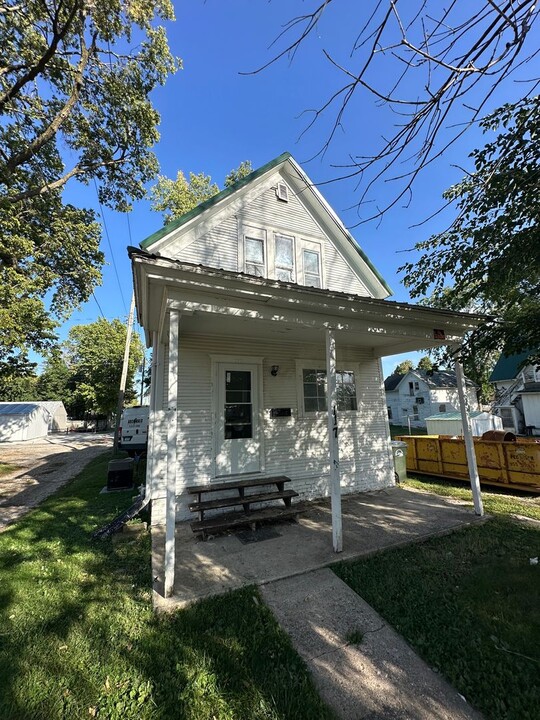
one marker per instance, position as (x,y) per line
(238,445)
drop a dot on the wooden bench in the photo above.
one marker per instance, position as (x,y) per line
(243,499)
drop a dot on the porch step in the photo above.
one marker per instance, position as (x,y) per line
(231,520)
(244,500)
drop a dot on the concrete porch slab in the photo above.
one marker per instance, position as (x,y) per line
(371,522)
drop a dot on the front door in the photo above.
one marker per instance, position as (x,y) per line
(238,432)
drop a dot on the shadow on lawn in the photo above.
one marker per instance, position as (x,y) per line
(79,637)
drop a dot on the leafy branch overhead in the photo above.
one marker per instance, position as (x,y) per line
(425,65)
(489,258)
(75,79)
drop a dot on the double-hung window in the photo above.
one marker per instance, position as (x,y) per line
(312,268)
(255,254)
(284,258)
(314,387)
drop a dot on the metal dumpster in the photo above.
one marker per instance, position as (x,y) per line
(399,453)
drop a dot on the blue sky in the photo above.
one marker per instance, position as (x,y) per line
(213,117)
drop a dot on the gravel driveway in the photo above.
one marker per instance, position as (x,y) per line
(42,466)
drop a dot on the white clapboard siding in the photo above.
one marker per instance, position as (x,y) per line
(219,247)
(296,446)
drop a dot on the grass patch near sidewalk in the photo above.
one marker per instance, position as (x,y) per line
(469,604)
(497,501)
(78,636)
(7,469)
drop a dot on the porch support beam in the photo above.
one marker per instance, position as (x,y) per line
(333,444)
(172,427)
(467,435)
(152,430)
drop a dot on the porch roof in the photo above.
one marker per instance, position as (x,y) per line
(216,301)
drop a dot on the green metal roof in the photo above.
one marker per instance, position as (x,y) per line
(178,222)
(508,366)
(183,219)
(453,415)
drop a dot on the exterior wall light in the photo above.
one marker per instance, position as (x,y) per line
(275,369)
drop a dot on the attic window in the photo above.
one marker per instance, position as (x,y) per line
(282,192)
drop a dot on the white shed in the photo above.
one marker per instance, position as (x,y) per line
(22,421)
(450,423)
(57,415)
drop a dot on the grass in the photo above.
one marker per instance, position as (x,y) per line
(6,469)
(79,638)
(469,603)
(404,430)
(497,501)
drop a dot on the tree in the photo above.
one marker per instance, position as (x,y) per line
(403,367)
(425,363)
(17,379)
(94,355)
(431,66)
(54,381)
(175,198)
(74,99)
(491,252)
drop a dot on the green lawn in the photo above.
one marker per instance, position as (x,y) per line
(468,602)
(6,469)
(404,430)
(79,639)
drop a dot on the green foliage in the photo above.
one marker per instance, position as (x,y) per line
(239,173)
(17,379)
(175,198)
(468,604)
(425,363)
(403,367)
(80,638)
(53,383)
(74,101)
(94,355)
(491,252)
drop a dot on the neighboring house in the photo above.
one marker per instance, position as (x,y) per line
(23,421)
(420,394)
(250,302)
(517,393)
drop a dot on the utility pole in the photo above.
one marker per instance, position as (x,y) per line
(123,380)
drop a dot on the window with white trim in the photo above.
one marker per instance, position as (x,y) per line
(254,254)
(314,389)
(284,257)
(442,408)
(312,268)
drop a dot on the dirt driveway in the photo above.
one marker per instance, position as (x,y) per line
(42,466)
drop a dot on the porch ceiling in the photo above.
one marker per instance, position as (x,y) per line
(214,302)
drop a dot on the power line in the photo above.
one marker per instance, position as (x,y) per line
(99,306)
(110,247)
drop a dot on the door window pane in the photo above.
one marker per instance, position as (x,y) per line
(238,408)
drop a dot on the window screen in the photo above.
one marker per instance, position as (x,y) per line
(312,270)
(314,387)
(284,258)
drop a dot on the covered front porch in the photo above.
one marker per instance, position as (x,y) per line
(372,522)
(209,328)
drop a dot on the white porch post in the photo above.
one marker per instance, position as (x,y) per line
(335,489)
(150,459)
(172,424)
(468,437)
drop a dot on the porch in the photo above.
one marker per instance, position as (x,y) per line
(372,522)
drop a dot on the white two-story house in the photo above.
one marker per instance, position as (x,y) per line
(517,393)
(268,324)
(419,394)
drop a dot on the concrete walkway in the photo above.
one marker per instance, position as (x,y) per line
(381,678)
(371,522)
